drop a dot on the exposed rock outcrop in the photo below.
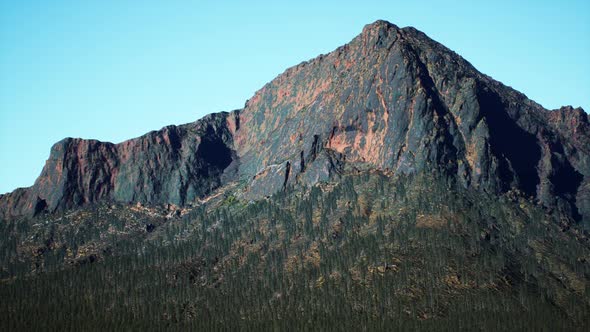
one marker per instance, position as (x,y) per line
(173,165)
(392,99)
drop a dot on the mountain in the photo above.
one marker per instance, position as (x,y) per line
(392,100)
(392,133)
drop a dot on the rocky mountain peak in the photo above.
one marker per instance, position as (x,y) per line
(392,100)
(379,30)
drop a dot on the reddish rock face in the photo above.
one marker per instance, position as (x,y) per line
(392,99)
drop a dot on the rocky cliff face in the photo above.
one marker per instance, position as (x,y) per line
(173,165)
(395,100)
(392,99)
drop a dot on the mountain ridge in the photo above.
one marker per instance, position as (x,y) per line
(391,99)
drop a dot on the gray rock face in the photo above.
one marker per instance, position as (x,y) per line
(172,165)
(392,99)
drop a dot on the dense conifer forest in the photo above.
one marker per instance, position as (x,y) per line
(369,252)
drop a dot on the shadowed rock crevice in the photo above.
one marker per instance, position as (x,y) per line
(287,173)
(566,179)
(40,206)
(301,162)
(518,151)
(215,152)
(566,182)
(236,114)
(315,147)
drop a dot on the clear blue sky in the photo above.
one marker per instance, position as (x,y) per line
(113,70)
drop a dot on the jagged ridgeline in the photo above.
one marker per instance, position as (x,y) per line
(387,184)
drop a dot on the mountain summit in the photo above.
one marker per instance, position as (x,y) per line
(392,100)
